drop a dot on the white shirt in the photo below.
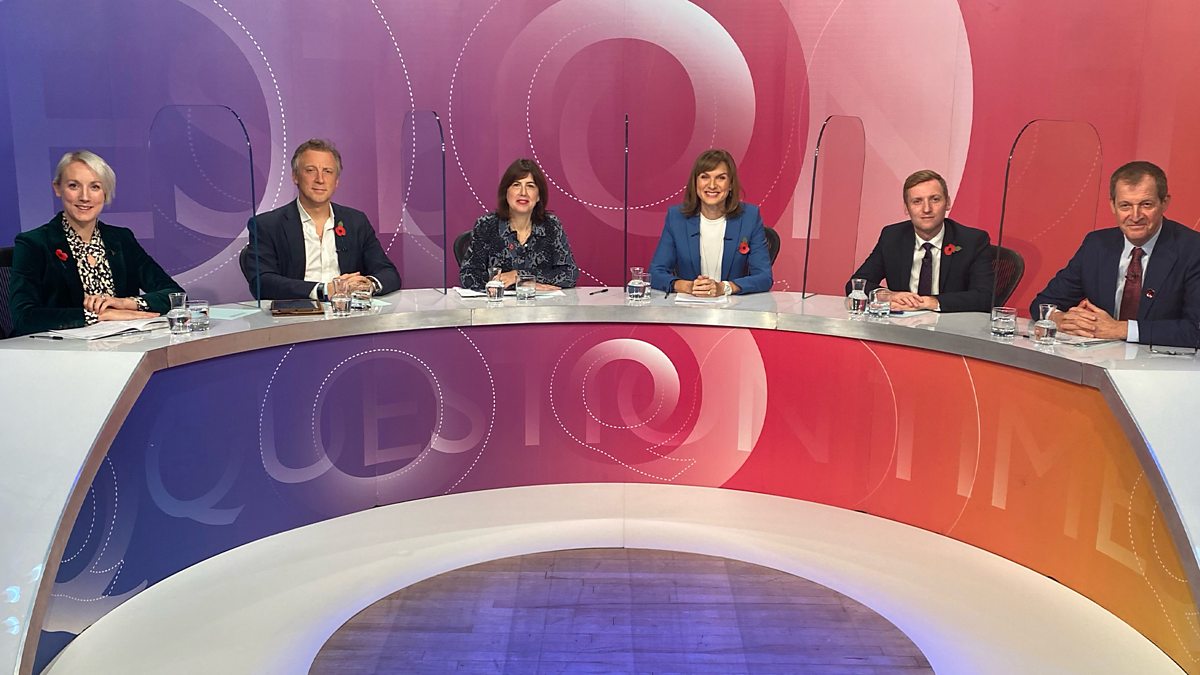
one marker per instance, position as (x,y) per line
(320,253)
(1123,268)
(914,278)
(712,247)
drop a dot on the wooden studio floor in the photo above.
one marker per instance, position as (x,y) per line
(618,610)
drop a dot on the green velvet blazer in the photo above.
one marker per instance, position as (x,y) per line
(46,293)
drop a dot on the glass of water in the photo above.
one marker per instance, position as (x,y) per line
(1045,330)
(494,287)
(880,304)
(178,316)
(1004,322)
(339,297)
(637,287)
(360,300)
(197,315)
(526,287)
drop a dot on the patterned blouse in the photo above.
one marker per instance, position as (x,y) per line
(545,253)
(96,279)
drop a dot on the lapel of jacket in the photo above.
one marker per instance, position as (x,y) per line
(899,260)
(692,228)
(1107,270)
(293,234)
(1157,270)
(116,261)
(733,238)
(69,268)
(951,237)
(346,254)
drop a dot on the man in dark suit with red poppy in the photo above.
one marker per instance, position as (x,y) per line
(298,248)
(930,261)
(1138,281)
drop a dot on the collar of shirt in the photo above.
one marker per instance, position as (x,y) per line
(936,241)
(507,234)
(306,220)
(1147,249)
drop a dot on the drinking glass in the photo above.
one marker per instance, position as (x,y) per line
(880,305)
(636,288)
(1004,321)
(494,287)
(856,302)
(1044,330)
(177,317)
(197,315)
(360,300)
(526,287)
(339,297)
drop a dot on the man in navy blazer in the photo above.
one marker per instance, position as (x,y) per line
(930,261)
(1138,281)
(303,245)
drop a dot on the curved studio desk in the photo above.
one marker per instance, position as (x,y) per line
(126,461)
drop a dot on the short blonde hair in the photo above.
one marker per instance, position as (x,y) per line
(108,179)
(924,176)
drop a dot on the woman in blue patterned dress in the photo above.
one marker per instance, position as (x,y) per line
(520,235)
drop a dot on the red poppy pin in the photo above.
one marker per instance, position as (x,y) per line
(340,230)
(61,256)
(950,249)
(511,246)
(1150,293)
(744,247)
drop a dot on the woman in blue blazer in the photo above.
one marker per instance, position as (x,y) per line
(712,244)
(76,270)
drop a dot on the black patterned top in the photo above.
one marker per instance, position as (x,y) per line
(546,253)
(96,279)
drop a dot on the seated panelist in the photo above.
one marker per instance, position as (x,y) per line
(713,244)
(75,270)
(1138,281)
(305,244)
(930,261)
(520,235)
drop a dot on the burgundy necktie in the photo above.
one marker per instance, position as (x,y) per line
(925,281)
(1133,286)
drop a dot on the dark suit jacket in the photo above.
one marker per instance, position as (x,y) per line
(678,252)
(46,293)
(1169,310)
(281,252)
(966,279)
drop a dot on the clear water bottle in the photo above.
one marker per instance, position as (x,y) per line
(856,302)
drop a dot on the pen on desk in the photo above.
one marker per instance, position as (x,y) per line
(47,337)
(602,290)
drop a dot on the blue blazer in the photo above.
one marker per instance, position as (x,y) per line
(678,252)
(281,252)
(1169,311)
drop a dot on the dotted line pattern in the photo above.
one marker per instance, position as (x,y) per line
(262,457)
(588,409)
(440,407)
(1154,545)
(1142,567)
(1078,195)
(278,97)
(91,527)
(688,461)
(112,525)
(491,418)
(450,105)
(199,167)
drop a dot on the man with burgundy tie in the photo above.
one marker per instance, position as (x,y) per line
(930,261)
(1145,271)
